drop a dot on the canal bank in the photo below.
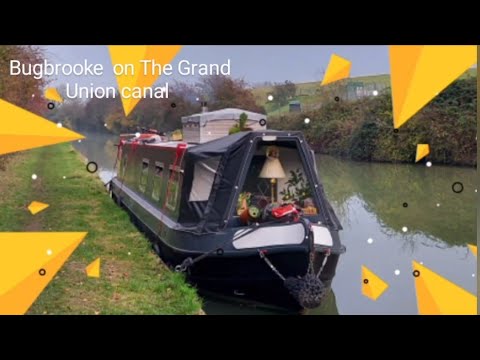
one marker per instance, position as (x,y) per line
(132,281)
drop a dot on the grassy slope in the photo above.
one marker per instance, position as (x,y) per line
(133,280)
(261,93)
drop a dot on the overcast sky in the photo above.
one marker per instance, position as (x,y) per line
(253,63)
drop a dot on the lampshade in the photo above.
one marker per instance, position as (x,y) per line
(272,169)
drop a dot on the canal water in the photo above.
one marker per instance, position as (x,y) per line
(391,215)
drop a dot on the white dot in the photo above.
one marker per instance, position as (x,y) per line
(209,133)
(307,120)
(79,141)
(375,92)
(370,240)
(421,262)
(34,176)
(64,177)
(49,252)
(33,95)
(473,275)
(270,97)
(475,190)
(137,134)
(404,229)
(129,253)
(397,272)
(105,124)
(197,99)
(429,164)
(59,125)
(438,205)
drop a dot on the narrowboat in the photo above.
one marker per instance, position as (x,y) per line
(242,215)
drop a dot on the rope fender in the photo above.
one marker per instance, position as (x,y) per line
(308,290)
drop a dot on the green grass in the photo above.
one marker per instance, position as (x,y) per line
(132,281)
(15,194)
(306,91)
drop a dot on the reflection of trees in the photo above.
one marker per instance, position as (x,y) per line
(332,172)
(338,187)
(385,187)
(100,148)
(111,150)
(409,240)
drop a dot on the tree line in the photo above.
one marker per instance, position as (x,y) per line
(107,114)
(23,91)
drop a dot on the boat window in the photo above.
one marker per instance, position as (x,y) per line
(203,176)
(142,185)
(276,176)
(173,186)
(157,181)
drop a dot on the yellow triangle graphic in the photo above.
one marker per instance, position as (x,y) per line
(132,55)
(35,207)
(419,73)
(427,305)
(372,285)
(53,95)
(438,296)
(473,249)
(28,262)
(338,69)
(422,151)
(402,67)
(93,269)
(21,130)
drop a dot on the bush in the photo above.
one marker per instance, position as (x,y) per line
(363,129)
(363,142)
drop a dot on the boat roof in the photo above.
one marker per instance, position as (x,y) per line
(157,141)
(224,114)
(170,144)
(220,145)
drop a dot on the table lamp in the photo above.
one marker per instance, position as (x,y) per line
(272,169)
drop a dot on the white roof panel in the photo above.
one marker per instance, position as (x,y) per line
(224,114)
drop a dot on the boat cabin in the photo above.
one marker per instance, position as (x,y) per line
(231,181)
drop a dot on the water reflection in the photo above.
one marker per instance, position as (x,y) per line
(215,306)
(369,198)
(432,208)
(101,149)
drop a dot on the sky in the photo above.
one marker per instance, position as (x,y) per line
(255,64)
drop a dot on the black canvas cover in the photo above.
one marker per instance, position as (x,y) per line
(234,150)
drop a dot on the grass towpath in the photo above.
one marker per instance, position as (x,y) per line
(132,279)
